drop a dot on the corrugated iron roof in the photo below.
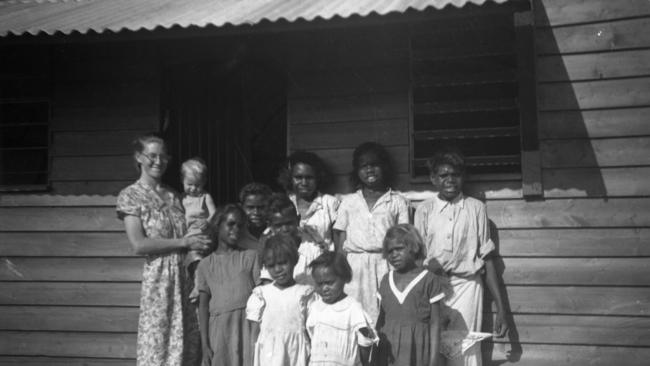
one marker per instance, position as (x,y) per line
(67,16)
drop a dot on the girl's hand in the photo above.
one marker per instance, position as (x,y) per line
(199,243)
(311,234)
(207,357)
(500,325)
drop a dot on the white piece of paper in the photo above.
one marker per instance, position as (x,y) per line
(456,342)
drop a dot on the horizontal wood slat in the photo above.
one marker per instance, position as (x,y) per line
(35,244)
(594,94)
(70,293)
(593,66)
(88,118)
(505,214)
(578,300)
(62,344)
(81,187)
(63,361)
(348,82)
(570,213)
(72,269)
(60,219)
(107,94)
(340,160)
(593,153)
(25,200)
(594,124)
(348,134)
(370,107)
(566,355)
(564,12)
(78,318)
(586,330)
(576,271)
(610,36)
(612,242)
(94,143)
(518,271)
(593,182)
(94,168)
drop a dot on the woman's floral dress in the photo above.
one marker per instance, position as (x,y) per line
(167,328)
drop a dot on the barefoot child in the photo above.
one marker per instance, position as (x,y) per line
(340,330)
(363,219)
(225,281)
(409,318)
(199,209)
(457,235)
(279,309)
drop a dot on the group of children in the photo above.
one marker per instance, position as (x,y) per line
(305,279)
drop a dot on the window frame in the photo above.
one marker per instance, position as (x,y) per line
(46,186)
(526,102)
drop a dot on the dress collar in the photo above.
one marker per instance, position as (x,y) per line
(401,295)
(442,204)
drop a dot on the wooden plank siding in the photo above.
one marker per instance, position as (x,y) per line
(575,264)
(572,263)
(64,299)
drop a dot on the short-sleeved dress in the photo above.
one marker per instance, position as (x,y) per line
(320,216)
(229,279)
(365,230)
(282,313)
(167,327)
(335,331)
(404,321)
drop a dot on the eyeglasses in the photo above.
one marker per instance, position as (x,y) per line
(157,157)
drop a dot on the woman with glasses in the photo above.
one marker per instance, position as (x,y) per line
(155,225)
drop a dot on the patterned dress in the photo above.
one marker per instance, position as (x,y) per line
(167,328)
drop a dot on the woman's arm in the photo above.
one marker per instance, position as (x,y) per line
(339,239)
(143,245)
(491,279)
(204,327)
(434,334)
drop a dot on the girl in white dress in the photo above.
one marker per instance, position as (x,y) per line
(341,331)
(280,308)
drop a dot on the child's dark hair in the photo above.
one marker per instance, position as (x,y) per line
(282,204)
(407,234)
(334,261)
(139,143)
(448,157)
(382,156)
(220,214)
(308,158)
(281,245)
(254,188)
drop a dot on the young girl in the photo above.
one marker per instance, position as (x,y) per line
(280,308)
(303,178)
(340,330)
(199,209)
(225,280)
(409,318)
(363,219)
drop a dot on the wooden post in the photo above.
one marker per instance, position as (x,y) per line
(531,170)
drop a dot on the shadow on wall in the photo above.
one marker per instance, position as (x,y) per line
(568,157)
(570,166)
